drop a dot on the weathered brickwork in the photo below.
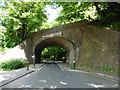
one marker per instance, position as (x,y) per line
(87,45)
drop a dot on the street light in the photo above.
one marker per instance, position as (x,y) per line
(67,62)
(74,64)
(27,64)
(33,61)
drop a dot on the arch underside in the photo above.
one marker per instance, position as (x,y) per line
(55,41)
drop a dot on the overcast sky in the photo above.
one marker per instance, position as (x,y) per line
(53,13)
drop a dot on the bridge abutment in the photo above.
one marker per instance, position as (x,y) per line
(87,45)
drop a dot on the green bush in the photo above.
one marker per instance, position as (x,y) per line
(12,64)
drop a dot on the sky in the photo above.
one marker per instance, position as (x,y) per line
(53,13)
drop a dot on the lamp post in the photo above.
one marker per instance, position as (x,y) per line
(74,64)
(27,64)
(33,61)
(67,62)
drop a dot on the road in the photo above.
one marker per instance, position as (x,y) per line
(52,76)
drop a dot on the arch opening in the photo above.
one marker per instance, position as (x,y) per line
(55,41)
(51,54)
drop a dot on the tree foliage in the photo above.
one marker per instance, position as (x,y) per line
(109,15)
(72,11)
(104,14)
(54,52)
(22,18)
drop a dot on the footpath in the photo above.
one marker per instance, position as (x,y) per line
(105,74)
(9,76)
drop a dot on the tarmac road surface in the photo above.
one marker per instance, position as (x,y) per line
(52,76)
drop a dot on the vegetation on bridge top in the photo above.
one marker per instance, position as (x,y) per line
(20,19)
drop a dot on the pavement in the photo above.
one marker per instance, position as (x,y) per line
(106,74)
(9,76)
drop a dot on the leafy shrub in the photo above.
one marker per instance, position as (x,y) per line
(13,64)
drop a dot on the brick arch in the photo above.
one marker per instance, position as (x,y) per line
(55,41)
(86,44)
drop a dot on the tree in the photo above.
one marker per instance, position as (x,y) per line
(109,15)
(73,11)
(54,52)
(22,18)
(103,14)
(2,29)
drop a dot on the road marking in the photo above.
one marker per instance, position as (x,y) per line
(15,79)
(41,67)
(96,86)
(63,83)
(61,67)
(76,71)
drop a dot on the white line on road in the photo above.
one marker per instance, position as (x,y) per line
(76,71)
(41,67)
(61,67)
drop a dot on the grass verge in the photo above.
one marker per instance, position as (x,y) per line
(104,68)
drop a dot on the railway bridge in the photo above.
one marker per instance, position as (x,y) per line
(85,44)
